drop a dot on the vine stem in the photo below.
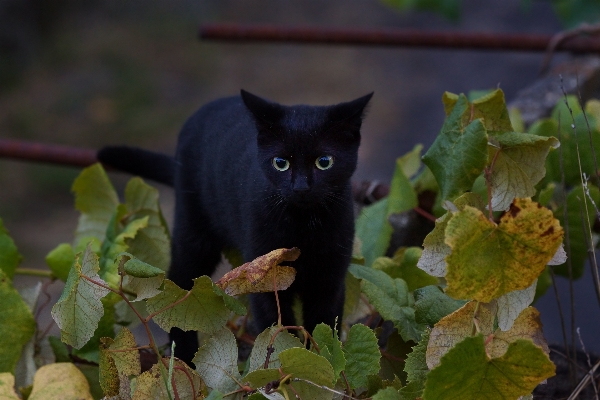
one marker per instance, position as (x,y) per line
(487,173)
(277,299)
(35,272)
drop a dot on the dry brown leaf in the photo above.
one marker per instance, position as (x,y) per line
(260,274)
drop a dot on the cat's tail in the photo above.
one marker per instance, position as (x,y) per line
(147,164)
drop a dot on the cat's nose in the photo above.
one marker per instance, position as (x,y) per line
(301,185)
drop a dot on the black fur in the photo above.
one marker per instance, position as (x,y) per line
(229,194)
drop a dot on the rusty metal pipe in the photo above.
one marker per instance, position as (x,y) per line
(46,153)
(395,37)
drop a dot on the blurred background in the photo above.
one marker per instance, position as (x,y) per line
(93,73)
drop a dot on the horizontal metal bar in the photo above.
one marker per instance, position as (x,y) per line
(47,153)
(395,37)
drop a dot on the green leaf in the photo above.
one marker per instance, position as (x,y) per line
(79,309)
(9,255)
(362,355)
(373,227)
(489,260)
(17,325)
(467,373)
(389,393)
(416,369)
(432,304)
(231,302)
(60,260)
(140,278)
(305,365)
(116,242)
(199,309)
(404,266)
(448,8)
(355,307)
(60,350)
(330,347)
(152,243)
(373,230)
(459,153)
(97,200)
(518,165)
(392,361)
(283,341)
(577,253)
(391,299)
(492,109)
(216,361)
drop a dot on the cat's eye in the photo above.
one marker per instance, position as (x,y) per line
(324,162)
(280,164)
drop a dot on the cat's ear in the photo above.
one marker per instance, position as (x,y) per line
(351,112)
(264,111)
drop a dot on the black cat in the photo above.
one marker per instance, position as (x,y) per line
(258,176)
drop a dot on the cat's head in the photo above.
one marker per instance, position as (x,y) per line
(308,153)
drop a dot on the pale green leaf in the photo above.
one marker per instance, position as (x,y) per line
(389,393)
(141,278)
(216,362)
(330,347)
(7,387)
(79,309)
(97,200)
(416,369)
(60,381)
(60,260)
(283,341)
(518,165)
(512,303)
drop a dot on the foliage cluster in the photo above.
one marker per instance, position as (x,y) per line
(460,307)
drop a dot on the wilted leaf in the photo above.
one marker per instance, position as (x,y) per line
(511,304)
(489,260)
(459,152)
(283,341)
(467,373)
(260,274)
(519,160)
(216,362)
(453,328)
(362,355)
(60,381)
(97,200)
(330,347)
(435,249)
(9,255)
(199,309)
(79,309)
(391,299)
(151,384)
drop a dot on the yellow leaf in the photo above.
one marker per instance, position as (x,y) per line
(60,381)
